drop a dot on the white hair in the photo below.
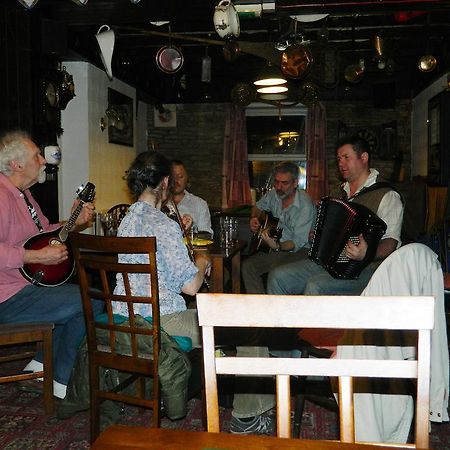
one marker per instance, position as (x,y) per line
(12,148)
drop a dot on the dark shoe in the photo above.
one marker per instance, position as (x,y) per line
(35,386)
(263,424)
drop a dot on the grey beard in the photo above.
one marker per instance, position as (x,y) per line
(42,177)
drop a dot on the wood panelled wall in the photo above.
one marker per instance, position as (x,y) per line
(17,71)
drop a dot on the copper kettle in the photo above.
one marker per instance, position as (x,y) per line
(296,61)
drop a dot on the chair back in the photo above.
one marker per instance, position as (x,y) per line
(97,265)
(118,212)
(338,312)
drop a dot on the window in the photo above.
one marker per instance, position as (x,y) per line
(274,135)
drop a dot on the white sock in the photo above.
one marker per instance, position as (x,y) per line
(59,390)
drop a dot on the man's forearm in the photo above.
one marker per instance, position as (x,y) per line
(385,248)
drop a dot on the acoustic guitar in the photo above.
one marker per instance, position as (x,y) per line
(267,221)
(55,275)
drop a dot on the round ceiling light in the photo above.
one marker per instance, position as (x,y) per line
(272,89)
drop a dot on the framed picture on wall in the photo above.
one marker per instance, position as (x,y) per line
(120,118)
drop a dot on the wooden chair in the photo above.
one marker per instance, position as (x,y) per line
(19,334)
(274,311)
(119,211)
(315,343)
(96,263)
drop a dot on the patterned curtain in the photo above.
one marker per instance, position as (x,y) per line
(317,164)
(235,178)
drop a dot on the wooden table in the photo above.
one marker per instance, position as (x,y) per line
(219,256)
(121,437)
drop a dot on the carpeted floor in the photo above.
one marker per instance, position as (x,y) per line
(24,426)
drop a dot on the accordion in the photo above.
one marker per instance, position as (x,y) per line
(338,222)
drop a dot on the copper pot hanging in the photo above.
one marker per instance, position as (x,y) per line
(427,63)
(169,59)
(296,61)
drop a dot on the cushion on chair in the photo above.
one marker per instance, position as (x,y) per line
(321,337)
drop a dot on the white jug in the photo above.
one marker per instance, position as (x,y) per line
(226,20)
(106,38)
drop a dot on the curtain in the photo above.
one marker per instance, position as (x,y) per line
(317,164)
(235,177)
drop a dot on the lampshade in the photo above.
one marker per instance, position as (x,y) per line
(270,76)
(272,89)
(28,3)
(273,97)
(106,38)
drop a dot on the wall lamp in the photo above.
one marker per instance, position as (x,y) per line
(28,3)
(112,118)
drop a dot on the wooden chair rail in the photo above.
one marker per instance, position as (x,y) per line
(337,312)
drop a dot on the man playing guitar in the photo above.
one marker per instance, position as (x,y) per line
(296,215)
(22,166)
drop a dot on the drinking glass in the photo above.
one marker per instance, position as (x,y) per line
(109,224)
(228,231)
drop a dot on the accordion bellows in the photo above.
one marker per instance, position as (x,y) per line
(338,222)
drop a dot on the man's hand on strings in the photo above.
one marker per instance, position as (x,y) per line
(271,242)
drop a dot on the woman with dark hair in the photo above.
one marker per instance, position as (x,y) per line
(148,182)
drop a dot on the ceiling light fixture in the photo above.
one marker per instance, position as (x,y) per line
(272,89)
(135,1)
(80,2)
(288,134)
(28,3)
(270,76)
(273,97)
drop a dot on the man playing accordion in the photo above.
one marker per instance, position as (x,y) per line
(361,185)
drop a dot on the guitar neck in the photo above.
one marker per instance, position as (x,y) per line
(69,225)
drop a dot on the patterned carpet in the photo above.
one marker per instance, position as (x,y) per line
(24,426)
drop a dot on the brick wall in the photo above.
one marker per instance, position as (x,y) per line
(361,115)
(198,137)
(197,140)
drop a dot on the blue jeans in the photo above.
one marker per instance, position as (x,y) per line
(60,305)
(308,278)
